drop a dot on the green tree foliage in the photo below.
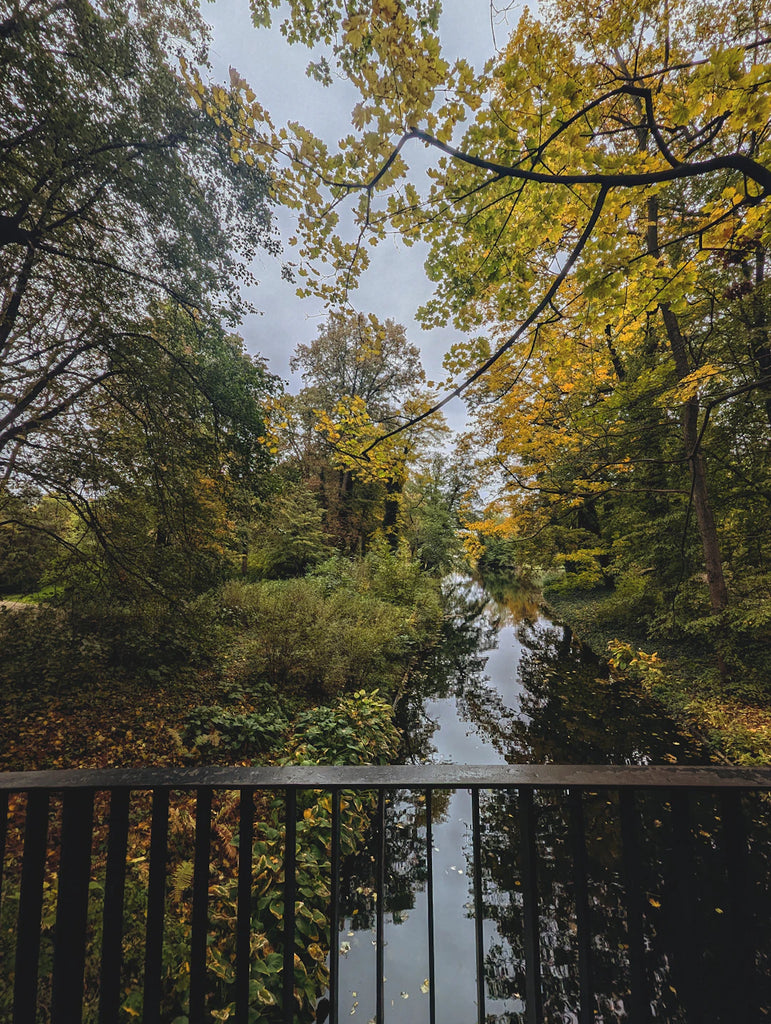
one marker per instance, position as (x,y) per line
(290,534)
(356,356)
(604,221)
(435,497)
(116,195)
(363,378)
(30,542)
(158,467)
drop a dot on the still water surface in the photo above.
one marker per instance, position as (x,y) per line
(510,686)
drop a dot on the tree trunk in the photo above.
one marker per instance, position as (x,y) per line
(705,519)
(761,346)
(394,486)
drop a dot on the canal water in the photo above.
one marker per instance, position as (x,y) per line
(511,686)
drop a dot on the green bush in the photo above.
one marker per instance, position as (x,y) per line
(582,569)
(54,648)
(354,729)
(634,602)
(297,633)
(242,733)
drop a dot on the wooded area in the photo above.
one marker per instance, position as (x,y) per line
(198,565)
(597,229)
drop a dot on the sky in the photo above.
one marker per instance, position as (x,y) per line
(396,284)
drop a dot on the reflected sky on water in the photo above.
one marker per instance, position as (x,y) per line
(510,686)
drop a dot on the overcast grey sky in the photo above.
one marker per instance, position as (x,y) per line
(395,284)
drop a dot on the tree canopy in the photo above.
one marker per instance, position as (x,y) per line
(598,228)
(117,200)
(596,215)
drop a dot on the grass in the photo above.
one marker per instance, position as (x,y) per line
(39,597)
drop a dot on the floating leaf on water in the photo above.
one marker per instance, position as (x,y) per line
(425,986)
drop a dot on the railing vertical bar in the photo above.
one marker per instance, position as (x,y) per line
(581,892)
(739,995)
(479,907)
(244,911)
(3,833)
(430,886)
(380,910)
(112,917)
(200,921)
(685,896)
(30,907)
(72,906)
(156,906)
(533,1000)
(334,922)
(632,868)
(290,895)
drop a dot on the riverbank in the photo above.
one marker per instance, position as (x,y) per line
(219,679)
(732,719)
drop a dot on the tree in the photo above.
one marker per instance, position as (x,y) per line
(362,379)
(355,356)
(616,163)
(160,466)
(291,535)
(435,496)
(116,192)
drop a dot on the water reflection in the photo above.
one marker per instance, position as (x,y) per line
(510,686)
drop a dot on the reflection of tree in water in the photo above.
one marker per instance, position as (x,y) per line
(469,632)
(574,714)
(516,603)
(696,948)
(406,863)
(567,712)
(570,712)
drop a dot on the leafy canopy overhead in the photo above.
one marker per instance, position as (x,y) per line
(585,116)
(596,198)
(125,230)
(115,193)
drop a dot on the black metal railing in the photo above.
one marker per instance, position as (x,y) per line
(59,824)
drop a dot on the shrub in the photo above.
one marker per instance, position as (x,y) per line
(635,601)
(294,633)
(354,730)
(242,733)
(583,570)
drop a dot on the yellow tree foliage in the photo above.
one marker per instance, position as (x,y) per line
(608,196)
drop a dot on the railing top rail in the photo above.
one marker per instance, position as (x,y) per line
(440,776)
